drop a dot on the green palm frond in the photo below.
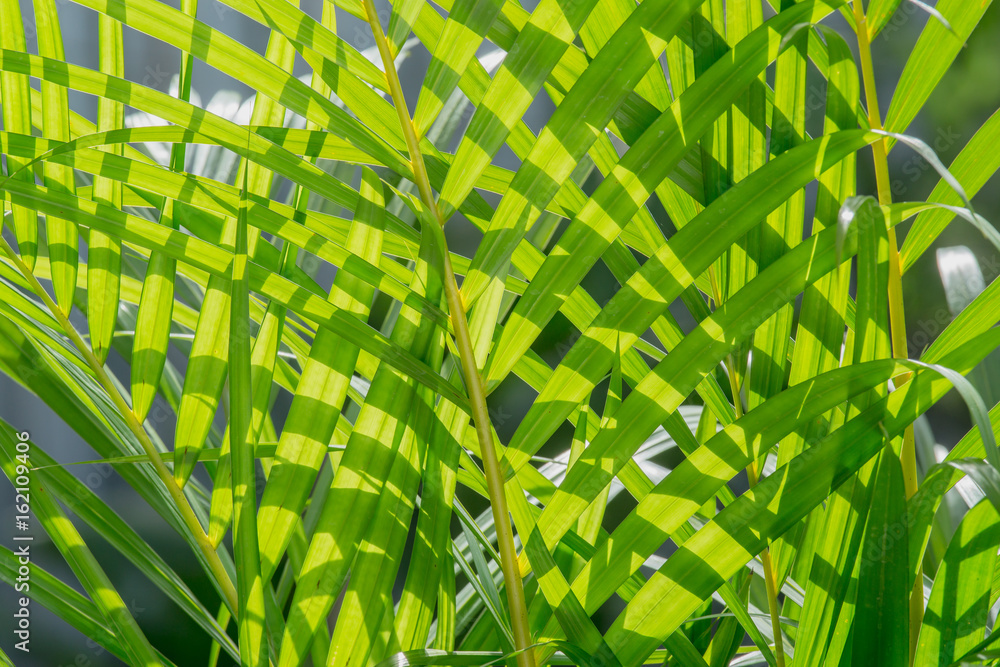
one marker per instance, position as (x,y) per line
(548,336)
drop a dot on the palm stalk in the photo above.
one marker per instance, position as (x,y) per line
(221,577)
(897,318)
(470,373)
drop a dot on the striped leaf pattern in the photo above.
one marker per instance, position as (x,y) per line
(420,375)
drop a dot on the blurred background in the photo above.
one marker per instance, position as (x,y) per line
(968,95)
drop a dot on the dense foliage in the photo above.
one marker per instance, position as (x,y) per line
(717,466)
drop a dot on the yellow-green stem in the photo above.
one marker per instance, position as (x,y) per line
(470,372)
(770,575)
(897,320)
(187,514)
(771,583)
